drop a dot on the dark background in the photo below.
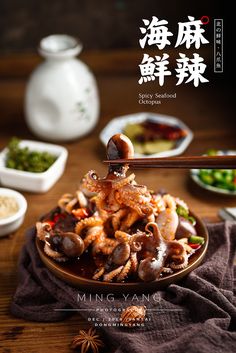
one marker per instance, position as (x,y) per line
(104,24)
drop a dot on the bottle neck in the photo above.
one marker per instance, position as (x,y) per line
(59,47)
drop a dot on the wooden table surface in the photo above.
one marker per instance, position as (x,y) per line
(207,112)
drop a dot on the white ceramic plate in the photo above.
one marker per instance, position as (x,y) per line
(117,125)
(34,182)
(195,177)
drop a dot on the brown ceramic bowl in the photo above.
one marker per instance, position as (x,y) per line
(68,273)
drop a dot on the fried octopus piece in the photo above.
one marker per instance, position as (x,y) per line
(160,254)
(59,245)
(86,223)
(118,217)
(68,201)
(104,245)
(91,230)
(156,255)
(117,191)
(123,260)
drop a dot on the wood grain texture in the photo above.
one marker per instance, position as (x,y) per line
(205,110)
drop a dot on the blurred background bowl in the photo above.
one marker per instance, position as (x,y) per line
(34,182)
(12,223)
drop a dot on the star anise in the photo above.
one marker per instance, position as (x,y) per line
(132,315)
(88,341)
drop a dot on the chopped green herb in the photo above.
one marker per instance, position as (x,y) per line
(182,211)
(195,239)
(220,178)
(21,158)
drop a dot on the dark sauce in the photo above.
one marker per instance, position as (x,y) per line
(86,266)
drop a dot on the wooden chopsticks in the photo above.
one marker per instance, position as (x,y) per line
(187,162)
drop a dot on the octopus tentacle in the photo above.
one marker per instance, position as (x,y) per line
(100,202)
(92,234)
(67,202)
(111,203)
(131,218)
(87,222)
(103,245)
(63,201)
(122,237)
(99,272)
(43,230)
(54,254)
(134,262)
(97,243)
(136,197)
(117,217)
(70,205)
(119,183)
(167,270)
(184,262)
(92,182)
(124,272)
(153,229)
(107,246)
(108,277)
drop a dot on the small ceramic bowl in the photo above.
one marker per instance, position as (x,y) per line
(34,182)
(117,125)
(194,173)
(12,223)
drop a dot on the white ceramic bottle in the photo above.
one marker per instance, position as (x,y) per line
(61,101)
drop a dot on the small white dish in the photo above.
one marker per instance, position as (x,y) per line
(12,223)
(194,173)
(34,182)
(117,125)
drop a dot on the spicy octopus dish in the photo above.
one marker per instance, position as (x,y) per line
(127,232)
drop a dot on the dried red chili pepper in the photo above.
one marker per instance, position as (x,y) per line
(194,246)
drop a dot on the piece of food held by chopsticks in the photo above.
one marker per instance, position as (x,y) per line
(128,232)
